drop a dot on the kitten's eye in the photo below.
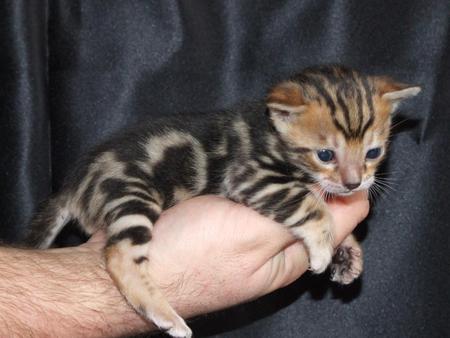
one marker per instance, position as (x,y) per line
(373,153)
(325,155)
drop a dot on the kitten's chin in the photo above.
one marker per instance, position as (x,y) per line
(345,193)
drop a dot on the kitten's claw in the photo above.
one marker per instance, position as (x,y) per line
(347,264)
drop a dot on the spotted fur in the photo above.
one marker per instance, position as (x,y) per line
(263,155)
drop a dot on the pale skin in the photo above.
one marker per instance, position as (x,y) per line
(207,254)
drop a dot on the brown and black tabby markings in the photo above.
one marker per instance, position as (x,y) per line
(323,131)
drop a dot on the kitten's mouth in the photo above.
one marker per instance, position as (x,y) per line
(329,189)
(321,192)
(327,195)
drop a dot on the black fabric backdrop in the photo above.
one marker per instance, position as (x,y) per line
(73,72)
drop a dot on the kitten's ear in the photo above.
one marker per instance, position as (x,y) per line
(285,102)
(393,91)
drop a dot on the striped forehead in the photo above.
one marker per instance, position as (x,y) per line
(347,95)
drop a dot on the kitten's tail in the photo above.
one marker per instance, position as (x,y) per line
(51,217)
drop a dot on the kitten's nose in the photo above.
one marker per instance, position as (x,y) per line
(351,186)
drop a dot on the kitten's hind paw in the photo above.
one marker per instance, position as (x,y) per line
(175,327)
(347,264)
(180,332)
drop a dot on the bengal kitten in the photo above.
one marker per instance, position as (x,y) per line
(323,131)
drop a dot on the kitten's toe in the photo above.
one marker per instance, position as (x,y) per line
(347,264)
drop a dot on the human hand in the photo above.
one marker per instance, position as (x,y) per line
(209,253)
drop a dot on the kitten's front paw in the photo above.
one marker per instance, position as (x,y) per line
(347,264)
(319,258)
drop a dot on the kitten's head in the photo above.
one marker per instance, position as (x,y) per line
(336,123)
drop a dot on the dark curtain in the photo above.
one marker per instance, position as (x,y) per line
(72,72)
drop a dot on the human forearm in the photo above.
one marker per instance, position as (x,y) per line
(64,292)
